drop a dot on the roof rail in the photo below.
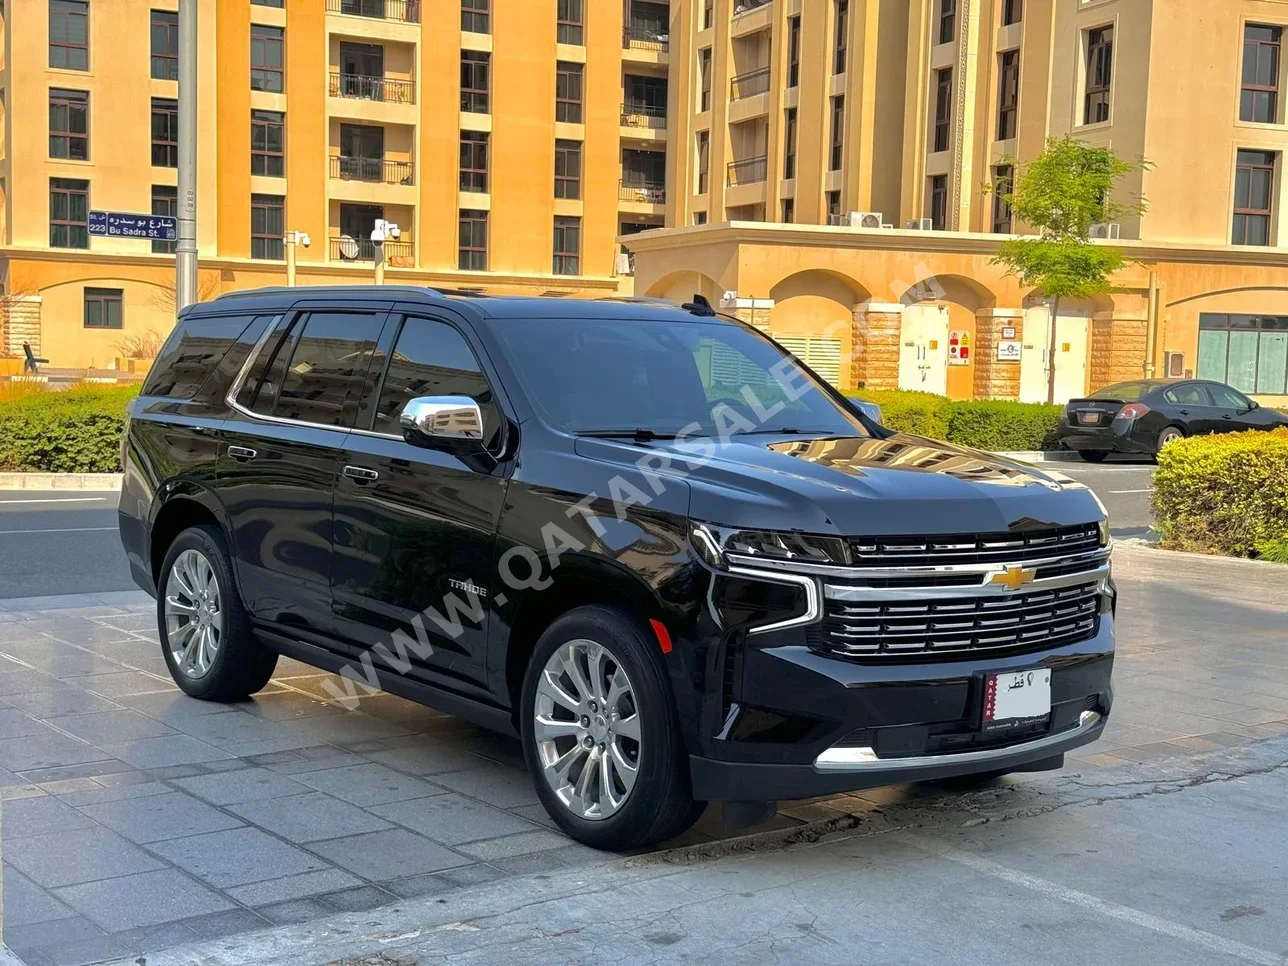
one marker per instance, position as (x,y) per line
(306,290)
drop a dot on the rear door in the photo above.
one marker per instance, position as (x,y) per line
(1189,406)
(415,528)
(293,407)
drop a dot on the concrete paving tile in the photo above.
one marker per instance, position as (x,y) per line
(177,749)
(497,785)
(311,817)
(297,910)
(40,815)
(72,928)
(159,817)
(122,684)
(19,724)
(130,622)
(69,700)
(142,899)
(294,887)
(67,786)
(236,727)
(47,749)
(368,784)
(216,925)
(357,900)
(428,758)
(288,705)
(525,843)
(247,785)
(152,939)
(553,859)
(282,742)
(165,773)
(106,767)
(392,854)
(84,855)
(1102,760)
(301,763)
(114,793)
(110,727)
(452,819)
(83,630)
(470,875)
(26,903)
(16,679)
(18,789)
(536,814)
(173,707)
(237,857)
(348,727)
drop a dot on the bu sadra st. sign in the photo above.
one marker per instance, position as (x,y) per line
(121,224)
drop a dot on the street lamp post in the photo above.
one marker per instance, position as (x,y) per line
(291,239)
(382,232)
(185,261)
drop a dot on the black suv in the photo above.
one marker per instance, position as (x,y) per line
(641,537)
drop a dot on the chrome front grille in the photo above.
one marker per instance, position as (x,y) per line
(1008,548)
(953,624)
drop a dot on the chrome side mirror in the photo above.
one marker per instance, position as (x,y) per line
(447,422)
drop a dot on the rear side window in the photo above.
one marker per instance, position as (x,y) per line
(433,359)
(1191,395)
(327,365)
(192,353)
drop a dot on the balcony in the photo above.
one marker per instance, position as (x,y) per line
(373,170)
(648,116)
(744,6)
(644,37)
(399,254)
(749,84)
(641,192)
(366,88)
(403,11)
(748,171)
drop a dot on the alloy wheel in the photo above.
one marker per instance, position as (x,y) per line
(587,729)
(194,613)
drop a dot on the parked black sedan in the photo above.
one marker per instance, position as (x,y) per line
(1144,416)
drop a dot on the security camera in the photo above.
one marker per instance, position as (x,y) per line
(305,240)
(395,232)
(377,236)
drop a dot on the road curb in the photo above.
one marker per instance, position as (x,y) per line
(60,481)
(1138,544)
(1041,456)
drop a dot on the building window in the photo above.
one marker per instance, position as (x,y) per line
(268,143)
(474,146)
(267,58)
(704,161)
(68,213)
(1259,100)
(1100,72)
(1012,12)
(69,34)
(165,45)
(939,202)
(1008,96)
(165,201)
(476,69)
(834,207)
(103,308)
(165,133)
(789,144)
(570,29)
(475,17)
(943,107)
(279,4)
(837,152)
(69,124)
(794,51)
(1248,352)
(267,226)
(1254,195)
(568,171)
(569,80)
(1003,185)
(704,69)
(473,241)
(789,210)
(947,21)
(567,246)
(708,14)
(699,217)
(842,33)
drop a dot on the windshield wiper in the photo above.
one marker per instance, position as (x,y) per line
(785,431)
(638,435)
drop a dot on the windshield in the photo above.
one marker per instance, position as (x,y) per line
(666,377)
(1125,391)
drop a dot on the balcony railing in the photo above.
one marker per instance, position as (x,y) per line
(644,115)
(369,88)
(401,253)
(641,191)
(749,84)
(637,37)
(374,170)
(408,11)
(746,6)
(748,171)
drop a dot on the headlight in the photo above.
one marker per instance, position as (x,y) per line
(714,543)
(1104,533)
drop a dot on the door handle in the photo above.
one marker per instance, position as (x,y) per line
(1227,416)
(361,475)
(242,454)
(1183,412)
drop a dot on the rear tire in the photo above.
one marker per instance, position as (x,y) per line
(1170,434)
(1093,455)
(617,780)
(206,637)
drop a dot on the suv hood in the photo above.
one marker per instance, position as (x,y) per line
(860,486)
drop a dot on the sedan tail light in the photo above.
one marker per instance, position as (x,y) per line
(1132,411)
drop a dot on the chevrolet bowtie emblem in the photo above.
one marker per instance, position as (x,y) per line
(1013,578)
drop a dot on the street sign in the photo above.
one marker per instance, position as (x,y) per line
(1008,351)
(122,224)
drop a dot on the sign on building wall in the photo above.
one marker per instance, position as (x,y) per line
(1009,351)
(122,224)
(959,348)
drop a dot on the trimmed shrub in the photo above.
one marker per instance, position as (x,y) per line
(77,431)
(990,425)
(919,413)
(1225,494)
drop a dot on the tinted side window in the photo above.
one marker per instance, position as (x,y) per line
(257,392)
(1227,398)
(433,359)
(192,353)
(1191,395)
(331,355)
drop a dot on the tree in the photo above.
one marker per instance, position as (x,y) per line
(208,286)
(1060,195)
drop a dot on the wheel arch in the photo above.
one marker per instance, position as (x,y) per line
(186,504)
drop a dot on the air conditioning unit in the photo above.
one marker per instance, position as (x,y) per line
(1109,231)
(922,224)
(865,219)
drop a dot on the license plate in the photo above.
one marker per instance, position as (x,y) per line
(1091,418)
(1016,697)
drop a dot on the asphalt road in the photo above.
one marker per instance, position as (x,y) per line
(1123,485)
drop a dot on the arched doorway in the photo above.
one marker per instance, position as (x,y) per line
(813,316)
(937,349)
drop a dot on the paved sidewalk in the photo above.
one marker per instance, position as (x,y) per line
(137,819)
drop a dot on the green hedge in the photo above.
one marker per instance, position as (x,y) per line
(1224,494)
(983,425)
(77,431)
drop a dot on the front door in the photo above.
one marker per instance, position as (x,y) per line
(415,528)
(362,152)
(279,460)
(923,349)
(362,70)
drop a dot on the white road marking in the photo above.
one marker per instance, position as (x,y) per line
(1113,910)
(4,533)
(65,499)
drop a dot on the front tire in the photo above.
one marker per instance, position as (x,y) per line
(601,735)
(206,636)
(1093,455)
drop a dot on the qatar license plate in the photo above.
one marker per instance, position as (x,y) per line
(1016,697)
(1089,418)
